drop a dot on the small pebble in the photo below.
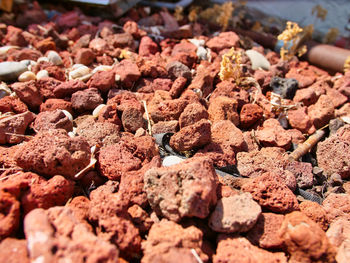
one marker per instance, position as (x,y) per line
(42,74)
(26,76)
(54,57)
(202,53)
(4,90)
(197,42)
(97,110)
(284,87)
(171,160)
(258,60)
(10,70)
(42,59)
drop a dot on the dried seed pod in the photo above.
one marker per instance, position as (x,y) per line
(42,74)
(26,76)
(54,58)
(101,68)
(4,90)
(67,113)
(79,72)
(42,59)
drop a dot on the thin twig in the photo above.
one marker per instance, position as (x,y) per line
(195,254)
(149,124)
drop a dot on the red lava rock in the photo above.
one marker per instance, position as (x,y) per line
(316,212)
(307,96)
(239,249)
(271,193)
(187,189)
(10,214)
(338,234)
(128,71)
(272,134)
(109,114)
(12,104)
(223,108)
(223,40)
(45,45)
(265,232)
(14,36)
(55,72)
(127,155)
(204,78)
(66,89)
(184,52)
(233,214)
(132,119)
(84,56)
(147,47)
(56,104)
(193,113)
(86,100)
(250,114)
(302,172)
(47,86)
(268,159)
(132,28)
(221,155)
(102,80)
(177,69)
(98,46)
(13,128)
(299,120)
(333,153)
(52,120)
(337,205)
(178,87)
(140,218)
(122,233)
(64,238)
(121,40)
(28,93)
(98,133)
(23,54)
(305,240)
(321,112)
(337,98)
(191,137)
(304,75)
(68,19)
(167,110)
(54,152)
(165,126)
(14,250)
(166,239)
(226,134)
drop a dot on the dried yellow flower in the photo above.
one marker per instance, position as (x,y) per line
(320,12)
(178,13)
(331,35)
(230,66)
(225,15)
(292,38)
(347,64)
(193,14)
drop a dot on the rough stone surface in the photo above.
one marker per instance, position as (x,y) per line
(239,249)
(14,250)
(52,120)
(271,193)
(223,40)
(337,205)
(193,113)
(305,240)
(167,239)
(191,137)
(226,134)
(12,128)
(250,114)
(56,104)
(66,89)
(299,119)
(272,134)
(302,172)
(10,214)
(333,153)
(316,212)
(265,232)
(54,152)
(186,189)
(223,108)
(132,119)
(86,100)
(12,104)
(84,56)
(128,71)
(28,93)
(147,47)
(234,214)
(165,126)
(338,234)
(321,112)
(102,80)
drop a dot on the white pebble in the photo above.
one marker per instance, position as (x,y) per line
(67,113)
(42,74)
(171,160)
(42,59)
(117,78)
(26,76)
(5,49)
(54,57)
(258,60)
(197,42)
(97,110)
(79,72)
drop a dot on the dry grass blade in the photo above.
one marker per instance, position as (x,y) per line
(195,254)
(149,123)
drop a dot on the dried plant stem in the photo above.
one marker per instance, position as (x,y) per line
(149,124)
(306,146)
(195,254)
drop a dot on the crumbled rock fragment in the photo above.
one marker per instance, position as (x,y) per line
(271,193)
(66,89)
(53,152)
(223,40)
(10,214)
(102,80)
(128,71)
(56,119)
(12,128)
(226,134)
(86,100)
(250,114)
(239,249)
(28,93)
(234,214)
(167,238)
(186,189)
(284,87)
(337,205)
(338,234)
(316,212)
(321,112)
(299,119)
(14,250)
(223,108)
(305,240)
(193,113)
